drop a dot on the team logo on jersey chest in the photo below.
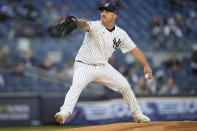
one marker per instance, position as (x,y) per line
(116,43)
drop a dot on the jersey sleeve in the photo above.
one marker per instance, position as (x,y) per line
(94,27)
(127,44)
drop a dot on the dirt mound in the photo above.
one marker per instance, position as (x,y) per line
(153,126)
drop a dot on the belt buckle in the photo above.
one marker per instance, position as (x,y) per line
(97,64)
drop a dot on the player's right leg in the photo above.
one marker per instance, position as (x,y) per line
(83,75)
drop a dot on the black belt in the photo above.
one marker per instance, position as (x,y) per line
(88,64)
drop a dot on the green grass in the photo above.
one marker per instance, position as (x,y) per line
(38,128)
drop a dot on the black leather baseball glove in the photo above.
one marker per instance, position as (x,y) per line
(66,26)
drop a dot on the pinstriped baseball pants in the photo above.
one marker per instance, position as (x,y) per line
(105,75)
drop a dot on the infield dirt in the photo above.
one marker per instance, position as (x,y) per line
(152,126)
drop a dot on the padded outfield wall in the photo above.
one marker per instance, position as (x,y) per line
(33,109)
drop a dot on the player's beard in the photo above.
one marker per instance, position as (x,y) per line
(104,19)
(107,23)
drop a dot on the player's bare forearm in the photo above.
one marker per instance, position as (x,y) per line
(136,52)
(83,25)
(139,56)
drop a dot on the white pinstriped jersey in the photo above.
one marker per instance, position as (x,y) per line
(99,43)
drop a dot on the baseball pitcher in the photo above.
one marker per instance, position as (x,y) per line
(102,38)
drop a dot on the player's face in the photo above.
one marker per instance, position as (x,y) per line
(108,16)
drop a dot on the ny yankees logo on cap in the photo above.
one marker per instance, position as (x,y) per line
(116,43)
(106,4)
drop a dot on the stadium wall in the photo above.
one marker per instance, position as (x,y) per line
(33,109)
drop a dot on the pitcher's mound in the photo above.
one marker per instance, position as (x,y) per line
(152,126)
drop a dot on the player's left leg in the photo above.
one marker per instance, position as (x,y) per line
(114,80)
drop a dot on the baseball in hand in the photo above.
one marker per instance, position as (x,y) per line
(146,76)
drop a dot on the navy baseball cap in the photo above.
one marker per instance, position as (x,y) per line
(110,7)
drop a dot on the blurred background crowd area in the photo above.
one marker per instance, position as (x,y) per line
(34,57)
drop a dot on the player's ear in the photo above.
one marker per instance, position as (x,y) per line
(115,16)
